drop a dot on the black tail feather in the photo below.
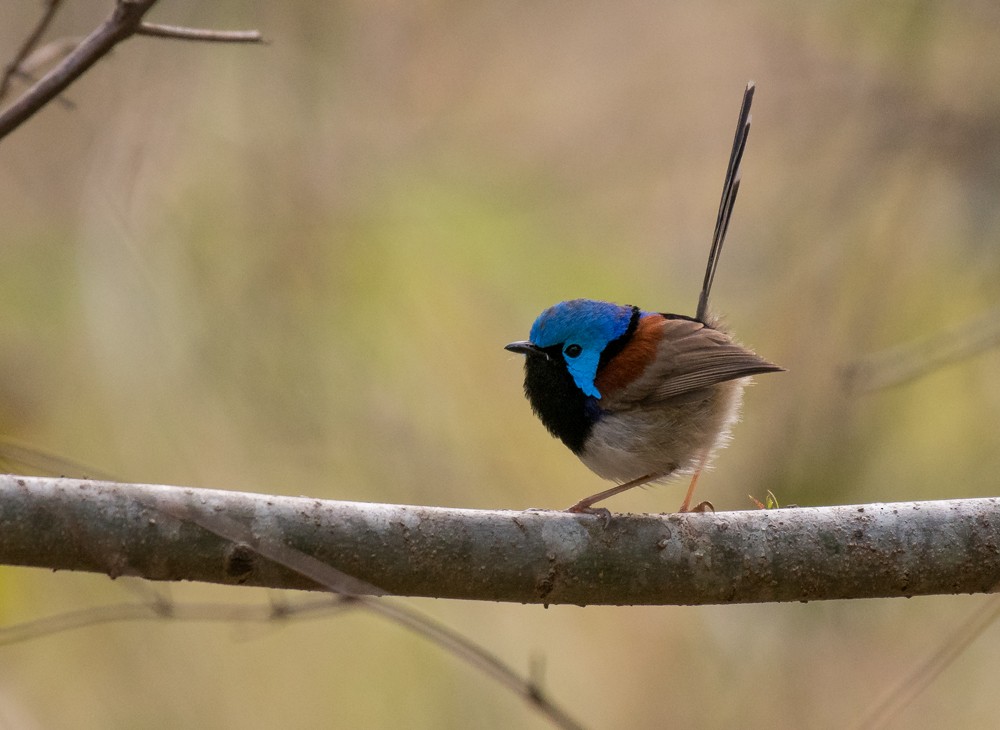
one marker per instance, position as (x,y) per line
(730,188)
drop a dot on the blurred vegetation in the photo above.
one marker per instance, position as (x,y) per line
(293,268)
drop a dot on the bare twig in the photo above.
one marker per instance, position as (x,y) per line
(910,361)
(125,21)
(159,30)
(459,646)
(46,55)
(910,687)
(158,609)
(35,459)
(121,24)
(14,67)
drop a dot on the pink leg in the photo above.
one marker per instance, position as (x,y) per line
(686,504)
(585,505)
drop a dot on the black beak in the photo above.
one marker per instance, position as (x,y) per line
(525,348)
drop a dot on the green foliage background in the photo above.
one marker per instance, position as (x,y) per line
(292,269)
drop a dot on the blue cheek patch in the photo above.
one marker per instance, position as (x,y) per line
(584,369)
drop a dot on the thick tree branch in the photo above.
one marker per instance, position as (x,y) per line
(802,554)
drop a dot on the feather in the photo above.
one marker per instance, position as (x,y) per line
(691,357)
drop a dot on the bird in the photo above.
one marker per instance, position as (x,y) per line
(640,396)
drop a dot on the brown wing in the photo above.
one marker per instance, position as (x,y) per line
(691,357)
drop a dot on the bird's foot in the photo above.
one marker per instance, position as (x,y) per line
(705,506)
(583,508)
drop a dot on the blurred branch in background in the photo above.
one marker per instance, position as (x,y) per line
(17,66)
(912,684)
(236,538)
(14,454)
(161,608)
(907,362)
(125,21)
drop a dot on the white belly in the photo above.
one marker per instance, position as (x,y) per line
(670,438)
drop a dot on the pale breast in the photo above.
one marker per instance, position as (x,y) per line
(664,438)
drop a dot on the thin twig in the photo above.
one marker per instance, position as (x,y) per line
(162,609)
(118,26)
(47,56)
(913,684)
(909,361)
(14,67)
(31,457)
(177,32)
(472,653)
(124,22)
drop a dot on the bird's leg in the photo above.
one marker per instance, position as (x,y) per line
(585,505)
(701,506)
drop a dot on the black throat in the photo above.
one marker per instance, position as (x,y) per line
(556,400)
(566,411)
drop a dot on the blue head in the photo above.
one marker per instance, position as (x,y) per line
(568,344)
(581,329)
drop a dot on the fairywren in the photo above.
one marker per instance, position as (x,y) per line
(640,396)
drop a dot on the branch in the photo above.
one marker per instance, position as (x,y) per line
(801,554)
(163,610)
(158,30)
(911,685)
(909,361)
(124,22)
(121,24)
(14,67)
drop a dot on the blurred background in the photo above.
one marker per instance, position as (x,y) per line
(293,268)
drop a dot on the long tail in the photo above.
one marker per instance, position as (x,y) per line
(729,190)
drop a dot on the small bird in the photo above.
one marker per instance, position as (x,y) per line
(639,396)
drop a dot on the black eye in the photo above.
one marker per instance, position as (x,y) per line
(573,350)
